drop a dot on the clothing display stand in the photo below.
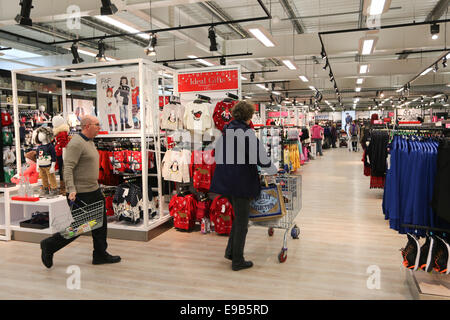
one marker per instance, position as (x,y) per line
(148,74)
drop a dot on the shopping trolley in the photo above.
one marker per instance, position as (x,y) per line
(291,187)
(86,218)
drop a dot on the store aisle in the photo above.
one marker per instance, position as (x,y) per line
(343,232)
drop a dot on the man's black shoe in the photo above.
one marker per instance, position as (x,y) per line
(242,265)
(228,256)
(127,126)
(107,258)
(46,256)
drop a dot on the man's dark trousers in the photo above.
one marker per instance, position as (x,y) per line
(238,234)
(57,242)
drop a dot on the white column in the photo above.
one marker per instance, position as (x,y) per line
(16,122)
(144,151)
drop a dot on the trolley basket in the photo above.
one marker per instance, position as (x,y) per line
(86,218)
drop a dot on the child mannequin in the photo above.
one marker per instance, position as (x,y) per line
(60,130)
(31,172)
(46,161)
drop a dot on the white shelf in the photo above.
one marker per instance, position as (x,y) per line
(41,202)
(15,226)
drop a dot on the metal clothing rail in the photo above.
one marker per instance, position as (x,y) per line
(413,226)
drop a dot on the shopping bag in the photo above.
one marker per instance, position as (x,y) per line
(269,204)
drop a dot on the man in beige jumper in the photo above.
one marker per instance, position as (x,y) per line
(81,169)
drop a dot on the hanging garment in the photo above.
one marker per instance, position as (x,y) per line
(61,138)
(222,215)
(182,209)
(197,117)
(441,196)
(6,119)
(172,117)
(377,152)
(175,166)
(202,209)
(409,184)
(222,113)
(128,203)
(202,168)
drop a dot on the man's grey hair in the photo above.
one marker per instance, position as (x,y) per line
(85,120)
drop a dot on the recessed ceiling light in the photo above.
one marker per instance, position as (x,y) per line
(312,88)
(358,89)
(426,71)
(303,78)
(243,78)
(206,63)
(116,23)
(289,64)
(364,68)
(260,34)
(367,45)
(359,81)
(276,92)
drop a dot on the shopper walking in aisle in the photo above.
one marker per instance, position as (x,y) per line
(238,152)
(317,136)
(81,169)
(354,133)
(334,135)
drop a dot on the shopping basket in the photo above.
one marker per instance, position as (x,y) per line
(291,187)
(86,218)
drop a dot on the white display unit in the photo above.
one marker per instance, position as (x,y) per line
(148,73)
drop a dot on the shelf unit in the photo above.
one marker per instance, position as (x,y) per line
(148,75)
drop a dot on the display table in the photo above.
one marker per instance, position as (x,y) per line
(428,286)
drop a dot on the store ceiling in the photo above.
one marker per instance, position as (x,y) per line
(295,27)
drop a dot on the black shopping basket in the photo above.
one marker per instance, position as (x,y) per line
(86,218)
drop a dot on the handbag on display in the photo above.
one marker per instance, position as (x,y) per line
(269,204)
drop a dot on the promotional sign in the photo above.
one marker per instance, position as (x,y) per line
(118,101)
(208,81)
(276,114)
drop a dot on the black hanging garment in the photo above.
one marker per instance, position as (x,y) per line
(441,194)
(377,153)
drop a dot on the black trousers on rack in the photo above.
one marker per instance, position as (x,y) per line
(57,242)
(238,234)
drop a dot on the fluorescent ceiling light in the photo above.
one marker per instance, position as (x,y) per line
(304,79)
(426,71)
(276,92)
(289,64)
(94,54)
(206,63)
(123,26)
(437,96)
(88,53)
(359,81)
(356,100)
(376,7)
(312,88)
(363,68)
(400,90)
(19,54)
(358,89)
(243,78)
(262,86)
(367,45)
(261,36)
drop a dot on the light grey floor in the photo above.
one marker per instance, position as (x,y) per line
(343,233)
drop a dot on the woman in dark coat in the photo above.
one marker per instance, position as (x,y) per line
(238,152)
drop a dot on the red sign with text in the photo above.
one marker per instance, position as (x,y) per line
(208,81)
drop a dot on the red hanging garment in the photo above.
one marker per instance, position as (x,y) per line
(182,209)
(202,209)
(202,169)
(222,114)
(222,215)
